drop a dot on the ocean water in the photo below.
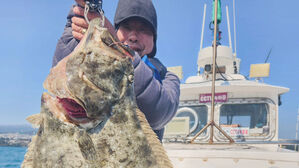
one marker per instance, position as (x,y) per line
(11,156)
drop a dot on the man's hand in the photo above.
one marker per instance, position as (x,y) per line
(80,2)
(79,24)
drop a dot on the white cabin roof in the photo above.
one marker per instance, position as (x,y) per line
(235,88)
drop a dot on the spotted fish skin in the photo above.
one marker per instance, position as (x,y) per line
(98,75)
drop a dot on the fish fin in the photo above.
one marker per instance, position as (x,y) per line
(157,148)
(86,146)
(35,120)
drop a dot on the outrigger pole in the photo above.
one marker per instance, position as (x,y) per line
(212,122)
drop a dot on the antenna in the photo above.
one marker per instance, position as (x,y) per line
(234,12)
(203,25)
(268,55)
(228,28)
(202,32)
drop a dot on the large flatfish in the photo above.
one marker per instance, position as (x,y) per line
(96,82)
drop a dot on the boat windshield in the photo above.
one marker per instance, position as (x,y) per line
(245,119)
(244,115)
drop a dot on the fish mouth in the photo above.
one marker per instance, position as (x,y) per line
(73,109)
(76,114)
(69,110)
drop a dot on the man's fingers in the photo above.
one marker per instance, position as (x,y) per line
(80,22)
(80,2)
(80,12)
(78,29)
(77,35)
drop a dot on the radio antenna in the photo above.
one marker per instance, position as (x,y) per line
(234,13)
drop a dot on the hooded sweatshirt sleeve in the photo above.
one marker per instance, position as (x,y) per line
(67,43)
(158,101)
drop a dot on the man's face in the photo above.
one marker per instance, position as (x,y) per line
(137,34)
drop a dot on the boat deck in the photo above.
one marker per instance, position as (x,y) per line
(230,156)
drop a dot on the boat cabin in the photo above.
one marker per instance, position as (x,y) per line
(247,110)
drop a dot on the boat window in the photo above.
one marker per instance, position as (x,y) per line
(197,117)
(244,118)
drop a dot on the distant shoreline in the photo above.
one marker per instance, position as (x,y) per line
(15,139)
(7,145)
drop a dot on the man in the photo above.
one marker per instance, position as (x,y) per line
(135,22)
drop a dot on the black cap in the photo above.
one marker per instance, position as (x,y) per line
(143,9)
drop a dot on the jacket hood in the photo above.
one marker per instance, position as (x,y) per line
(143,9)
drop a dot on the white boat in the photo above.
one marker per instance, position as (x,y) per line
(246,110)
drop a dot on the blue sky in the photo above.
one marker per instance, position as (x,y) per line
(30,30)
